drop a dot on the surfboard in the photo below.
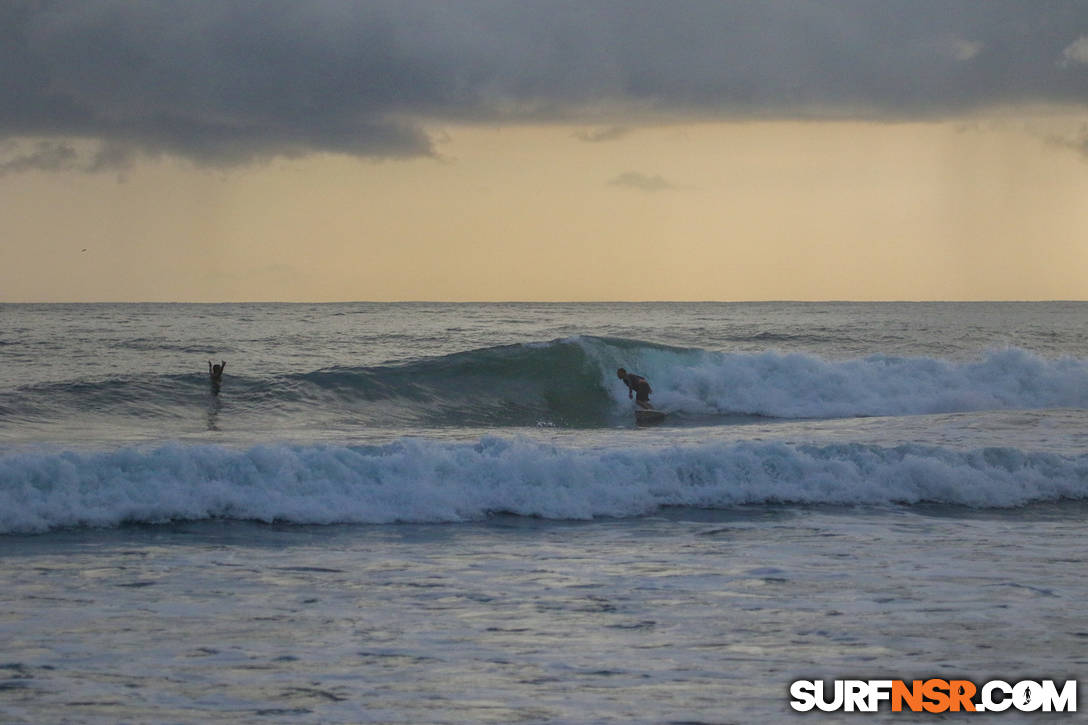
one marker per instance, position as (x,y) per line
(648,417)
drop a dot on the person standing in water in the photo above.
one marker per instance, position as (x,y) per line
(639,386)
(215,372)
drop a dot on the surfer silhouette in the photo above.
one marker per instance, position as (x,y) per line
(638,385)
(215,372)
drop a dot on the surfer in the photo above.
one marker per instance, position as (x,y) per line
(638,385)
(215,372)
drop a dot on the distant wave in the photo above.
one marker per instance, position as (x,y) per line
(430,481)
(572,383)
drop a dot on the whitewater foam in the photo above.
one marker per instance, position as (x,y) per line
(429,481)
(798,385)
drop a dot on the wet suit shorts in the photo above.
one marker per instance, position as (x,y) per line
(641,389)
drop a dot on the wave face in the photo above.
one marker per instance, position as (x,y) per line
(430,481)
(511,385)
(572,383)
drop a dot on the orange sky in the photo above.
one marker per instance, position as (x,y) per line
(965,209)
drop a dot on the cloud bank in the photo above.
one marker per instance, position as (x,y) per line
(225,82)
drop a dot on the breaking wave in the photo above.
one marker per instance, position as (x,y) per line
(572,383)
(432,481)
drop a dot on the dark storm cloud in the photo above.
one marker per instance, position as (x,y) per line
(45,156)
(229,81)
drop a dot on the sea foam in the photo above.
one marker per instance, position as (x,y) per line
(431,481)
(797,385)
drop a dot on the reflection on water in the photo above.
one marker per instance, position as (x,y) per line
(214,406)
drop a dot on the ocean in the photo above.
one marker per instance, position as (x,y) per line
(445,513)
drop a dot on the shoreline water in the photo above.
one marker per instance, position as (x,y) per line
(697,615)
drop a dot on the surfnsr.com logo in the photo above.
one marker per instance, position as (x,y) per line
(933,695)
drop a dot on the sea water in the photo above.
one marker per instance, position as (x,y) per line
(446,512)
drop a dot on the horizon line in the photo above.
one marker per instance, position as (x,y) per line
(539,302)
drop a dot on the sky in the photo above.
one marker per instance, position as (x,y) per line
(593,150)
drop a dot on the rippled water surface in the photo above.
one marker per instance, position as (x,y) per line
(446,513)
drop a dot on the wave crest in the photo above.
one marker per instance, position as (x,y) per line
(429,481)
(572,383)
(805,386)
